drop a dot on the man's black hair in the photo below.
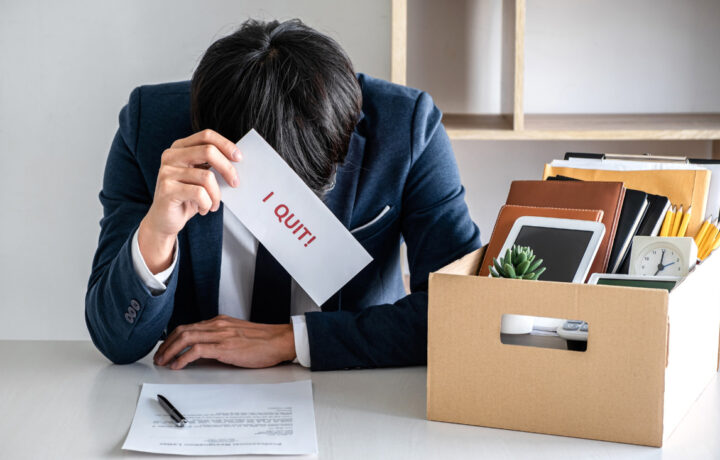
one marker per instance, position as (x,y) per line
(294,85)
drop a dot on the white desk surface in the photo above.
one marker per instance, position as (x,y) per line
(64,400)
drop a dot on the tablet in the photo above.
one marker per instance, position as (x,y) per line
(567,246)
(653,282)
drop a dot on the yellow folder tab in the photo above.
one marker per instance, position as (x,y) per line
(688,187)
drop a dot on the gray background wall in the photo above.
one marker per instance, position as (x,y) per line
(68,67)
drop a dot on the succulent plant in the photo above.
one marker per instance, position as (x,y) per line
(519,263)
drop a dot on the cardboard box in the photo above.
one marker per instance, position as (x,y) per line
(649,354)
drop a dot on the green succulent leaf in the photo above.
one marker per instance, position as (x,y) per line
(519,262)
(498,266)
(509,270)
(534,266)
(522,258)
(523,267)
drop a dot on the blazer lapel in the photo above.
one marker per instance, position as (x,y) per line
(205,240)
(341,199)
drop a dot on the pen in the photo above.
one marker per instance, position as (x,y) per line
(175,414)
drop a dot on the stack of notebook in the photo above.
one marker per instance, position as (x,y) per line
(642,214)
(624,212)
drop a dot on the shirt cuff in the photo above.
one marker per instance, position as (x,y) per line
(155,283)
(302,344)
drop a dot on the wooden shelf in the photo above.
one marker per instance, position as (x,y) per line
(586,127)
(522,126)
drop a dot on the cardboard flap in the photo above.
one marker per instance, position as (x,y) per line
(469,264)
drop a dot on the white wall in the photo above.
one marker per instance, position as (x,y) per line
(68,67)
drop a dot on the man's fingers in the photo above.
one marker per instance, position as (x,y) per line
(184,339)
(197,351)
(174,335)
(194,176)
(208,136)
(199,156)
(195,194)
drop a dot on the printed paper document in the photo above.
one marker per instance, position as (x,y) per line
(295,226)
(226,419)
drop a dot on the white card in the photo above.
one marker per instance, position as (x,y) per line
(295,226)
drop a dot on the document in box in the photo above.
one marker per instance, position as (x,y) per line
(226,419)
(291,221)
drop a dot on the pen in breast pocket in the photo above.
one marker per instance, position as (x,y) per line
(175,414)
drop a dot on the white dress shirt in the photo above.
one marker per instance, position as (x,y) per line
(237,274)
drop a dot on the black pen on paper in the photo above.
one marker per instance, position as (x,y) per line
(175,414)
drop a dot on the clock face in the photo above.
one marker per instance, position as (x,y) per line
(661,261)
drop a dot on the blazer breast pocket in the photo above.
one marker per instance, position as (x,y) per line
(375,225)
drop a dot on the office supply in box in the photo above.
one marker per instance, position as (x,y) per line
(662,256)
(631,385)
(574,330)
(687,187)
(510,213)
(652,282)
(567,246)
(634,207)
(647,161)
(657,208)
(607,196)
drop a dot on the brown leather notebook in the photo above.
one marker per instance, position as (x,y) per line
(510,213)
(607,196)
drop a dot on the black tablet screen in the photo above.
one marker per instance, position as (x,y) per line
(561,249)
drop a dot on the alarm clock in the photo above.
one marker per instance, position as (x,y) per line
(662,255)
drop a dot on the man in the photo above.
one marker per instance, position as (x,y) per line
(174,264)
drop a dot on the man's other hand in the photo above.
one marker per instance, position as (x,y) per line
(229,340)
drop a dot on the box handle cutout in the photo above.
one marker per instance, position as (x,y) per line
(542,332)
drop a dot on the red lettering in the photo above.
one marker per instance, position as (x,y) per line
(285,213)
(282,212)
(297,221)
(304,234)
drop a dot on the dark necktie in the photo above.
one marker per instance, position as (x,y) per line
(271,290)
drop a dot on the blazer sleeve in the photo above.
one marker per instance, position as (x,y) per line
(437,229)
(124,318)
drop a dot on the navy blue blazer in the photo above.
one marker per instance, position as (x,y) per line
(399,156)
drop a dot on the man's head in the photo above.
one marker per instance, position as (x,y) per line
(294,85)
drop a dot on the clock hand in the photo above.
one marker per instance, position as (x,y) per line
(660,266)
(668,264)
